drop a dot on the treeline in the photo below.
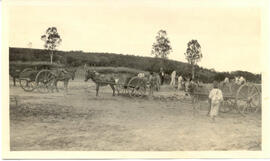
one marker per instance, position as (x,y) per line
(79,58)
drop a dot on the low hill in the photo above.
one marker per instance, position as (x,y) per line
(79,58)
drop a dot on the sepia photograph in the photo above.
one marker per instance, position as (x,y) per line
(135,76)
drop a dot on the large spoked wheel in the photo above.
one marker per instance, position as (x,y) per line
(248,99)
(45,80)
(27,83)
(137,87)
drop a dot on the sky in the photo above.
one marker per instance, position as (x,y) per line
(229,33)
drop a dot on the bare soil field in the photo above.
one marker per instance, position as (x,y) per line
(80,121)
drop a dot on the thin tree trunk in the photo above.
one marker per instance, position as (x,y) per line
(192,71)
(51,56)
(163,63)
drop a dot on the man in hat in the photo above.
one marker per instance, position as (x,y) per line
(162,75)
(180,81)
(216,97)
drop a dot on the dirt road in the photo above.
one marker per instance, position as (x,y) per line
(78,120)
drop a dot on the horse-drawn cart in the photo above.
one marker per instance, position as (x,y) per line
(123,83)
(243,98)
(40,76)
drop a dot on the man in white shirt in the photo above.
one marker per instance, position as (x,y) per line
(141,75)
(236,80)
(226,80)
(242,80)
(216,98)
(173,78)
(180,81)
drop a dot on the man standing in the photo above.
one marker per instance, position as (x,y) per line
(226,80)
(237,80)
(162,75)
(152,83)
(242,80)
(180,80)
(216,98)
(173,78)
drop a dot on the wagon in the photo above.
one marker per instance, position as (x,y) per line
(136,86)
(36,75)
(125,80)
(243,98)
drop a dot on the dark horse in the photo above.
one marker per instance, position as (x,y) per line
(100,80)
(64,76)
(15,74)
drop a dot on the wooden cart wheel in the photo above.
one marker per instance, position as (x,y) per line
(45,80)
(248,98)
(26,79)
(137,87)
(27,85)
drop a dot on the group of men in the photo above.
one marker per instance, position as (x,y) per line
(240,80)
(181,83)
(215,95)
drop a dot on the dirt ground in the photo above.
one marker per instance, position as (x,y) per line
(78,121)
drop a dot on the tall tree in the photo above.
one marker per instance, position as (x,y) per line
(162,47)
(52,40)
(193,54)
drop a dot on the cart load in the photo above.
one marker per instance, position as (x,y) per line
(36,75)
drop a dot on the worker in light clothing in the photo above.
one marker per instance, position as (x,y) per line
(236,80)
(242,80)
(226,80)
(180,81)
(173,78)
(216,98)
(152,83)
(141,75)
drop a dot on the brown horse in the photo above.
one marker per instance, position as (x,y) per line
(64,76)
(156,81)
(100,80)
